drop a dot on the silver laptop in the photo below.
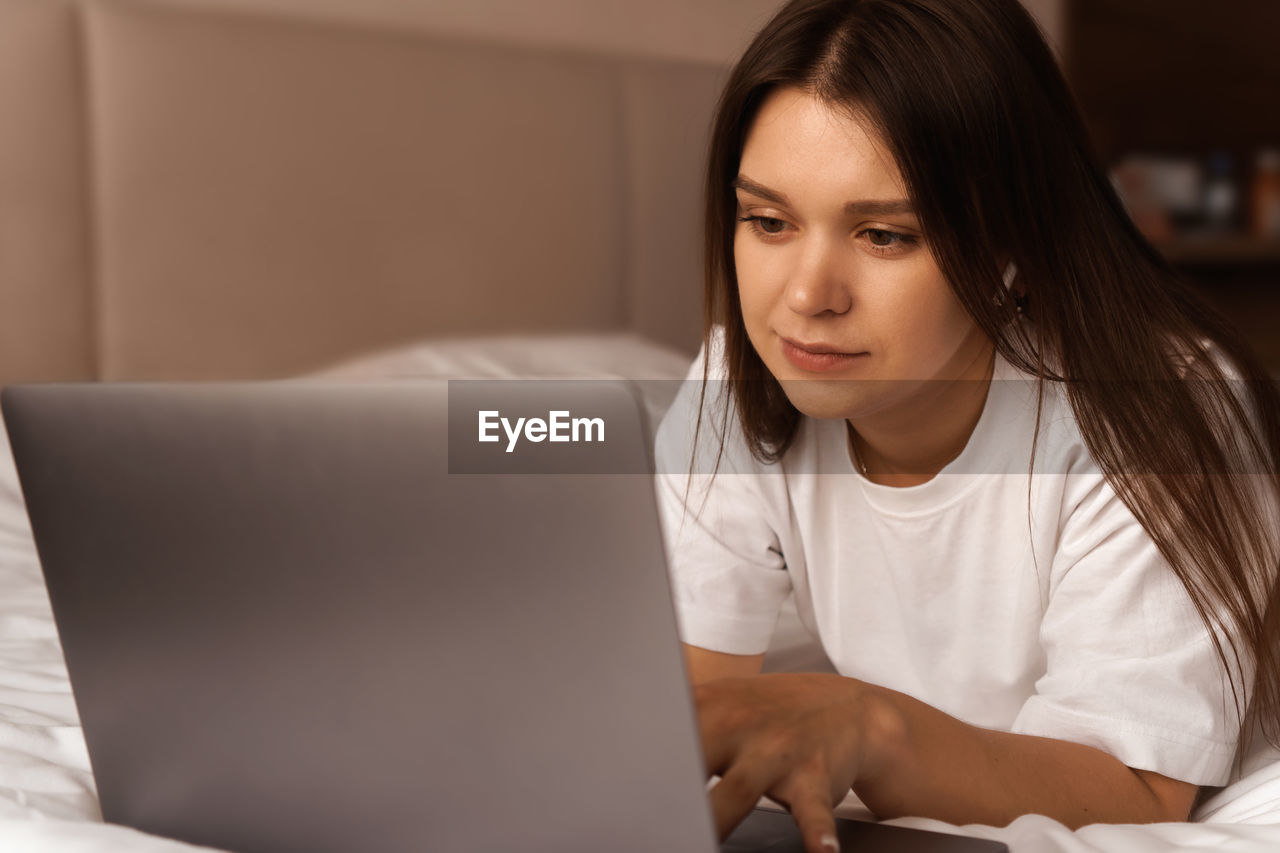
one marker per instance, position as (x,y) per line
(315,617)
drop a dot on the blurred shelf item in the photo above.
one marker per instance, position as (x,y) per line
(1264,218)
(1221,250)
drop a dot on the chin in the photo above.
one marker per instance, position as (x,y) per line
(830,398)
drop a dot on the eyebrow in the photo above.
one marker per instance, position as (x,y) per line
(868,207)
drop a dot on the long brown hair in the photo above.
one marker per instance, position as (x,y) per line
(968,98)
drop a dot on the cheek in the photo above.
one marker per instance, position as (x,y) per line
(913,315)
(758,281)
(918,317)
(947,318)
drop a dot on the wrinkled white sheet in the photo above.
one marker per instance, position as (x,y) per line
(47,796)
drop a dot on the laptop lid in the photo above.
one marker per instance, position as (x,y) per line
(293,623)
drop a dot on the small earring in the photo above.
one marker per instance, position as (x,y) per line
(1019,299)
(1010,273)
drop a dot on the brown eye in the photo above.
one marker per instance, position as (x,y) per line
(882,241)
(765,227)
(767,224)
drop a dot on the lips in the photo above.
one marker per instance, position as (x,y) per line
(818,348)
(817,357)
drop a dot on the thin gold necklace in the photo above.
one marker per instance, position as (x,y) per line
(853,448)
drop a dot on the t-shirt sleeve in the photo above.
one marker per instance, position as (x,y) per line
(728,575)
(1131,668)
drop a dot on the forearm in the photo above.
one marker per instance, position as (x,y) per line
(920,761)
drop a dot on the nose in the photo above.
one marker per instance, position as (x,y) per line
(816,285)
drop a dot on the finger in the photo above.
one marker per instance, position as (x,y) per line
(735,795)
(810,806)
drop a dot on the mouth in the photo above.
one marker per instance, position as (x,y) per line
(817,357)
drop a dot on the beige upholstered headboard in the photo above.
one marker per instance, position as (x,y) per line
(194,193)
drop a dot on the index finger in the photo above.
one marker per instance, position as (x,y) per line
(810,808)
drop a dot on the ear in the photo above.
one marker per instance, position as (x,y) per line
(1010,273)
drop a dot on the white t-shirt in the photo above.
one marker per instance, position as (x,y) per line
(1065,624)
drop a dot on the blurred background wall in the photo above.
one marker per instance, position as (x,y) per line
(697,30)
(702,30)
(241,188)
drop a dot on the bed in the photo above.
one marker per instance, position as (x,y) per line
(204,191)
(47,799)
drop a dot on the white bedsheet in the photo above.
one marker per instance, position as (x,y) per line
(47,797)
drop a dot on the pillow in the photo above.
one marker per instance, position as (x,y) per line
(616,355)
(610,355)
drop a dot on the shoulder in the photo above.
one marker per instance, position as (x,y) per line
(1037,429)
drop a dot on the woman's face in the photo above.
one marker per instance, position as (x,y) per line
(835,277)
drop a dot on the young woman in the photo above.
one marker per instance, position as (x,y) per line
(1019,478)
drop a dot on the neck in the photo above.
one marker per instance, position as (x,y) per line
(910,442)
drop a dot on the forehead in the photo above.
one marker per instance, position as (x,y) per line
(808,151)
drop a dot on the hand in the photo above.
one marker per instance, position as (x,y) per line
(802,739)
